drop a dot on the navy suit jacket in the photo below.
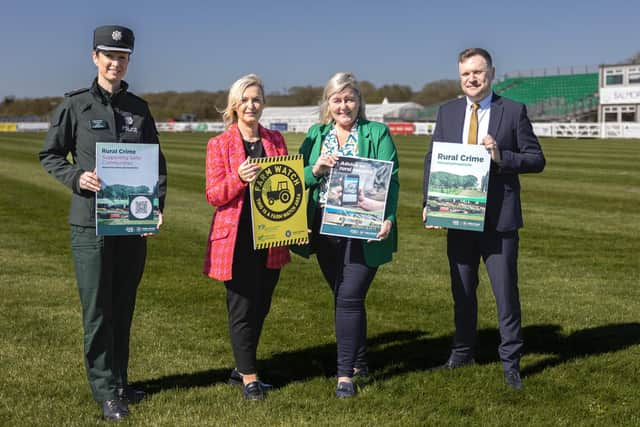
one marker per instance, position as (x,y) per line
(520,152)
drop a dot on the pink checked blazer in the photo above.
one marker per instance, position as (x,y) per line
(225,191)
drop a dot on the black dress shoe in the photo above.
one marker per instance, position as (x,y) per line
(253,391)
(114,410)
(345,389)
(512,379)
(130,394)
(235,378)
(455,364)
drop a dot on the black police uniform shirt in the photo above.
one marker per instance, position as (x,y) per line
(87,116)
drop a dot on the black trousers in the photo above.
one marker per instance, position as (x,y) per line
(249,295)
(500,254)
(349,277)
(108,271)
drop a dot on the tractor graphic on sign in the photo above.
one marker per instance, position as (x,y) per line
(282,193)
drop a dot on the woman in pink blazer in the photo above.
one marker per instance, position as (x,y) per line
(249,275)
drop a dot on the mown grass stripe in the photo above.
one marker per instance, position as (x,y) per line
(579,272)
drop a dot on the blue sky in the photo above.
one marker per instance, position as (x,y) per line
(206,45)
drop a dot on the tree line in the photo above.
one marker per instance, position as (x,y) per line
(450,182)
(205,106)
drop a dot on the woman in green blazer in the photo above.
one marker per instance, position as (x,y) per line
(348,265)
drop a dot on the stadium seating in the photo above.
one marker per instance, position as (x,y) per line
(559,97)
(548,98)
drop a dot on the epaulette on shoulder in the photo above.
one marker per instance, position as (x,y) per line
(76,92)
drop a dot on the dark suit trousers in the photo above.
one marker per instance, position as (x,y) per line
(108,271)
(500,254)
(349,277)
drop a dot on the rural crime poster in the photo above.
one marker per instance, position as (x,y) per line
(458,184)
(127,203)
(279,202)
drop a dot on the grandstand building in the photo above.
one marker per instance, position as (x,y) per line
(619,91)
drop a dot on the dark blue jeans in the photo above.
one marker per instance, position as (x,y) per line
(343,266)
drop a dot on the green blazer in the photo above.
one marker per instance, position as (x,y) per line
(374,142)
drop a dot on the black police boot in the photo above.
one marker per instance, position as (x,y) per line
(114,410)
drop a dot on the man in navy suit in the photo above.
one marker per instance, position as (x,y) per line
(502,126)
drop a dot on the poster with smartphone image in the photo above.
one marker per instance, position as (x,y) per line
(356,198)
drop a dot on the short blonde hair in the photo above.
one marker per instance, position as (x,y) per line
(336,84)
(229,114)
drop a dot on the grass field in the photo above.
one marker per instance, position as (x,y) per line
(579,284)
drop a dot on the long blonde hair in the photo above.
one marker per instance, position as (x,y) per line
(229,114)
(336,84)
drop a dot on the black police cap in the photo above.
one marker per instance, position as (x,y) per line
(113,37)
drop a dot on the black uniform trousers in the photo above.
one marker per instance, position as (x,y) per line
(108,271)
(349,277)
(249,294)
(499,250)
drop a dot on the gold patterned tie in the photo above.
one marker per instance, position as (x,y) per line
(473,124)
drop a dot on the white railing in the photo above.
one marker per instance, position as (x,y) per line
(568,130)
(553,130)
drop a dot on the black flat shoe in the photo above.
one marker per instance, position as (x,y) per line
(345,389)
(114,410)
(130,395)
(235,378)
(253,391)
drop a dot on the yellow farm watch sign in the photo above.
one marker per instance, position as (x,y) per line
(279,202)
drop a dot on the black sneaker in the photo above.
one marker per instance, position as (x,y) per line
(253,391)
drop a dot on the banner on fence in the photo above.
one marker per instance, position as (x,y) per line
(7,127)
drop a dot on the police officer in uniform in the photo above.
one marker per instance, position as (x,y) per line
(108,268)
